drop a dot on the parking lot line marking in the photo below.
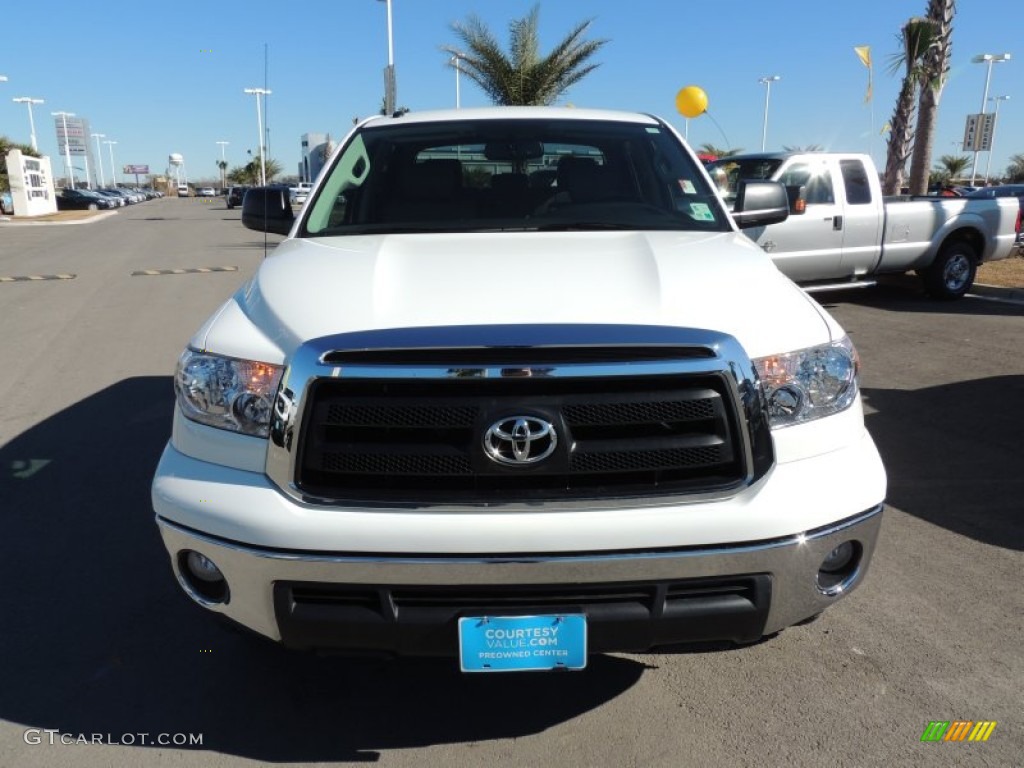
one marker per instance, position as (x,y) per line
(34,278)
(190,271)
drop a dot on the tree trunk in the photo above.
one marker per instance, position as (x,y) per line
(924,137)
(933,79)
(899,138)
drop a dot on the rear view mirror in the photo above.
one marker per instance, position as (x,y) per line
(268,209)
(760,203)
(513,151)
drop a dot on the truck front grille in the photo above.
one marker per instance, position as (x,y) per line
(390,440)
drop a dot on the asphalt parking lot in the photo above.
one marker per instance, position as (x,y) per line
(96,638)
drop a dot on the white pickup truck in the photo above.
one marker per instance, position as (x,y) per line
(841,231)
(300,192)
(516,389)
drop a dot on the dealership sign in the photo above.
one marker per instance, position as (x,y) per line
(138,170)
(76,142)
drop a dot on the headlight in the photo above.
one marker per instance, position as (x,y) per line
(810,383)
(224,392)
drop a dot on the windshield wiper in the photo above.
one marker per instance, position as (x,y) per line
(569,226)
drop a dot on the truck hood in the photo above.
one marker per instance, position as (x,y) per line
(311,288)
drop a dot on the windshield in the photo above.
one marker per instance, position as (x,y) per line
(513,175)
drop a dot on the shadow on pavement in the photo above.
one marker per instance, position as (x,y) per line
(954,455)
(97,638)
(905,293)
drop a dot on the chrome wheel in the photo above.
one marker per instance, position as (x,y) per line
(957,273)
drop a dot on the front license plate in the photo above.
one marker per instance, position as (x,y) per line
(522,643)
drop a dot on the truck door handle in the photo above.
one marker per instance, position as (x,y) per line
(837,222)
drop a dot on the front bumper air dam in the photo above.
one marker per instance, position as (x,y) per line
(782,574)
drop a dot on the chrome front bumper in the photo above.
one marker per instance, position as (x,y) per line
(791,563)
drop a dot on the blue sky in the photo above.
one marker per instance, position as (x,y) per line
(161,77)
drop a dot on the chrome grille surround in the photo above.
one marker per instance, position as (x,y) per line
(640,351)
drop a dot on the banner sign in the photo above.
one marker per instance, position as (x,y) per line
(141,170)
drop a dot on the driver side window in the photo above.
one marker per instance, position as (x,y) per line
(816,181)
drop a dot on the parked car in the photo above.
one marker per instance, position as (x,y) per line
(83,200)
(236,195)
(206,192)
(183,190)
(6,203)
(1004,190)
(114,195)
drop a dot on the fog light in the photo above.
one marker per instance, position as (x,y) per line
(201,578)
(837,559)
(203,568)
(840,568)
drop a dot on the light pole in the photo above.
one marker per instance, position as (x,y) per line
(257,92)
(390,89)
(455,60)
(29,101)
(99,156)
(67,149)
(113,168)
(223,164)
(990,59)
(995,125)
(767,83)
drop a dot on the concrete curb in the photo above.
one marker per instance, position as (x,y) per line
(9,222)
(1015,295)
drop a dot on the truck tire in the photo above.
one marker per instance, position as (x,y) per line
(951,275)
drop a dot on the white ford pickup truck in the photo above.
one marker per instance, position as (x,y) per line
(515,390)
(842,232)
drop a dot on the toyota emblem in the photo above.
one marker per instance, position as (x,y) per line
(520,440)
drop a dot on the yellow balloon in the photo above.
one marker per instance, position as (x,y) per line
(691,101)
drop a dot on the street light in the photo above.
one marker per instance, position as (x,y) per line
(992,143)
(990,59)
(257,92)
(28,100)
(113,168)
(67,149)
(390,95)
(767,83)
(223,164)
(455,60)
(99,156)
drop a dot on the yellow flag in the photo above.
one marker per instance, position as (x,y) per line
(864,54)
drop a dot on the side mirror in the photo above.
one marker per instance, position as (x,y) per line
(760,203)
(268,209)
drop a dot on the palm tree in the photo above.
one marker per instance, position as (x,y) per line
(933,72)
(916,37)
(953,166)
(1015,170)
(708,148)
(808,148)
(522,77)
(223,166)
(249,173)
